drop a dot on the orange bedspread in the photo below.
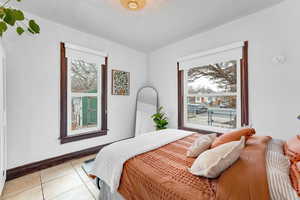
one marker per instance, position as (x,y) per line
(162,174)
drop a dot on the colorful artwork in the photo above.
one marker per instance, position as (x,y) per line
(120,82)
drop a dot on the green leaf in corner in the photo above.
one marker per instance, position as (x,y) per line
(18,0)
(34,26)
(20,30)
(18,14)
(3,27)
(9,17)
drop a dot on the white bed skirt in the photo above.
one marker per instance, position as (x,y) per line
(105,193)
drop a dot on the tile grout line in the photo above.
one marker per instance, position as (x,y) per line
(80,177)
(84,183)
(42,187)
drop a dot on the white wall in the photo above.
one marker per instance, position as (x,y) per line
(274,89)
(33,75)
(33,68)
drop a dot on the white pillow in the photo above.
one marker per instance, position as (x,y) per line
(201,144)
(213,162)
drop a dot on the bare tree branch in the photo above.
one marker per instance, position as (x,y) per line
(223,74)
(84,76)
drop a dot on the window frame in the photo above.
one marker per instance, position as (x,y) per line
(243,92)
(64,104)
(71,95)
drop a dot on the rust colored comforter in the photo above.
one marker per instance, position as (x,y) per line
(162,174)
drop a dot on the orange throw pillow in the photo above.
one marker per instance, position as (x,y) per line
(292,149)
(233,136)
(295,177)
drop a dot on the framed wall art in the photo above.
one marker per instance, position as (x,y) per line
(120,83)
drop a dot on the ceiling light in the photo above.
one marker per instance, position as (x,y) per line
(133,4)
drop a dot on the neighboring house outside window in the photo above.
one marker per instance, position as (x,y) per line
(213,89)
(83,93)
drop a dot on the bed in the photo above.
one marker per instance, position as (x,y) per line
(154,166)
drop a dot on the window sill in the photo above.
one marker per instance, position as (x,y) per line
(210,129)
(201,131)
(83,136)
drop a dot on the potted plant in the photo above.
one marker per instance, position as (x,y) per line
(11,17)
(160,119)
(298,117)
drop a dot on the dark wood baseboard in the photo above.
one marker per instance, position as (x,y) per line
(36,166)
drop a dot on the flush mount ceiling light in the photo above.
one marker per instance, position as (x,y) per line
(133,4)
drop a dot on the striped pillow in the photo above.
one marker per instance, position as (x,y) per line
(278,161)
(277,166)
(280,186)
(276,146)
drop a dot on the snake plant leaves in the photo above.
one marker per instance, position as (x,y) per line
(34,27)
(20,30)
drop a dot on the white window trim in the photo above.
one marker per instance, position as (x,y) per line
(85,49)
(218,50)
(70,94)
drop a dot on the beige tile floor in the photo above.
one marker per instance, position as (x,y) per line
(66,181)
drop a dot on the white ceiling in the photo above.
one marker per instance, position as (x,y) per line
(161,22)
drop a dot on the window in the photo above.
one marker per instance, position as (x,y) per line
(83,93)
(213,89)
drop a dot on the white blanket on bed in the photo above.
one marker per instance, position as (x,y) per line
(109,161)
